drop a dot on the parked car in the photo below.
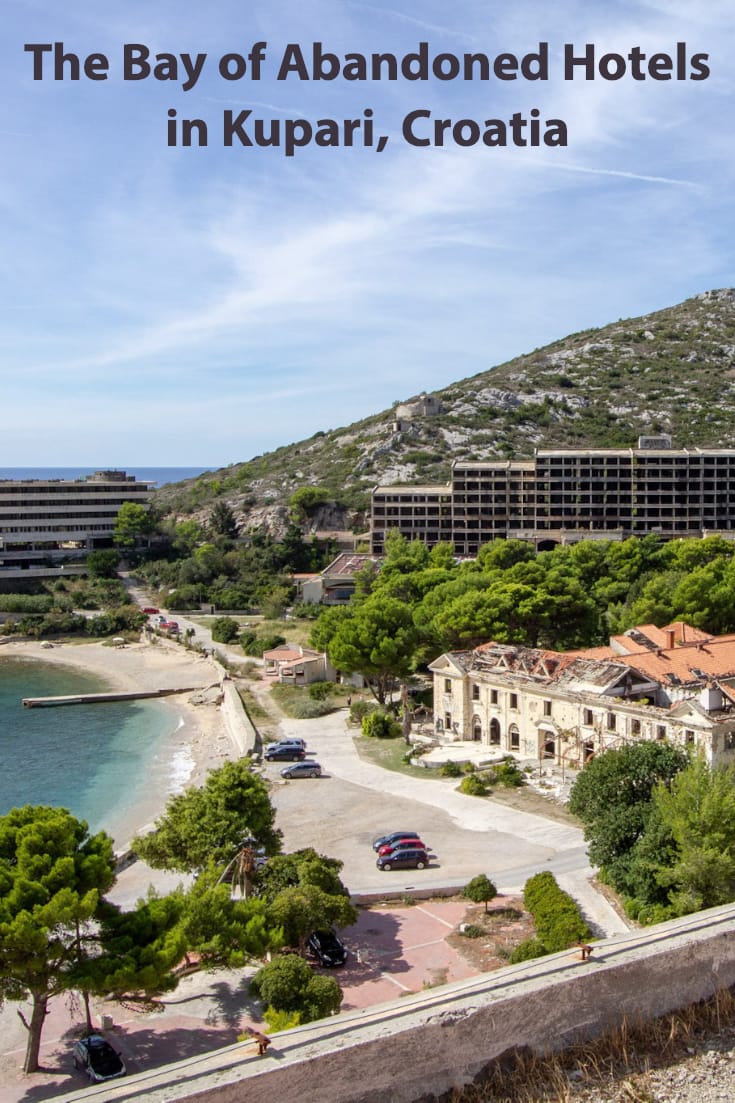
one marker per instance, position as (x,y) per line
(403,844)
(290,741)
(327,947)
(302,769)
(150,610)
(97,1058)
(289,753)
(392,837)
(403,859)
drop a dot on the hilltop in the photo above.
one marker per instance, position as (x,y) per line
(672,371)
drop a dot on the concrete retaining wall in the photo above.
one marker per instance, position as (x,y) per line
(423,1045)
(239,725)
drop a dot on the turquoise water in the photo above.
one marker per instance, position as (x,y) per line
(99,761)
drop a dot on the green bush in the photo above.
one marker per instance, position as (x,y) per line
(255,645)
(297,702)
(509,773)
(555,914)
(527,950)
(471,930)
(473,786)
(360,709)
(451,769)
(380,725)
(277,1021)
(224,629)
(289,984)
(320,690)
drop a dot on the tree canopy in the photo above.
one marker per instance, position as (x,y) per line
(210,823)
(480,890)
(377,639)
(612,796)
(289,984)
(53,875)
(698,811)
(132,522)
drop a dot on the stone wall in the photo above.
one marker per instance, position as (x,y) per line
(239,726)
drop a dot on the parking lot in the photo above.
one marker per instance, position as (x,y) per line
(341,812)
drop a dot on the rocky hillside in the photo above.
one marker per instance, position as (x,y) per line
(668,372)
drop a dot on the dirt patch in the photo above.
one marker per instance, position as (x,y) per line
(528,800)
(505,925)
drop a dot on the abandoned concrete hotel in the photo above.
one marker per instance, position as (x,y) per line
(563,496)
(46,521)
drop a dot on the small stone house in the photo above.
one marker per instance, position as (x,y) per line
(297,665)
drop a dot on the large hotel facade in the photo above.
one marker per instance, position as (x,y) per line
(45,520)
(565,496)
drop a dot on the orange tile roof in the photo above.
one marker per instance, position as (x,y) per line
(657,637)
(694,662)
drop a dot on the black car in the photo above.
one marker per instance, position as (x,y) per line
(286,753)
(403,859)
(99,1060)
(393,837)
(327,947)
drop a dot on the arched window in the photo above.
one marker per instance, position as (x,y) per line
(494,732)
(476,729)
(549,748)
(515,737)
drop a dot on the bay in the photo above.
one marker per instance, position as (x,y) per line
(99,760)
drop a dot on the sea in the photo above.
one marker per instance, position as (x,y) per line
(158,475)
(99,761)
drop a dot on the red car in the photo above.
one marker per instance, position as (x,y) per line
(150,609)
(402,844)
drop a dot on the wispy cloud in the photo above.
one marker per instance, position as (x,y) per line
(247,298)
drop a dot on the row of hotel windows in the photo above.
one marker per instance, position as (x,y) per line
(56,528)
(59,507)
(123,490)
(588,716)
(59,516)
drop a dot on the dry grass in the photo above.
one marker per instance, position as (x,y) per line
(619,1062)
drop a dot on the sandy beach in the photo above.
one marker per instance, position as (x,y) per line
(199,738)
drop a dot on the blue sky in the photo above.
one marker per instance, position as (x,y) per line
(201,306)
